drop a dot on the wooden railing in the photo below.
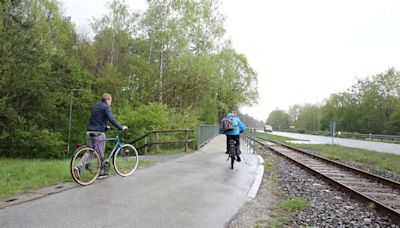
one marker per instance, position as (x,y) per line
(144,142)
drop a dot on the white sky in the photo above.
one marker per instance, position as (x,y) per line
(303,51)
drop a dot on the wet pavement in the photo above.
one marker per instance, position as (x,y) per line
(196,190)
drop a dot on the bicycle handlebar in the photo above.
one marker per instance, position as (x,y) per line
(109,128)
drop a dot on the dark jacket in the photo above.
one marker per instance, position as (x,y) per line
(100,115)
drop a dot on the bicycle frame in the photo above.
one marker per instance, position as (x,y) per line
(117,144)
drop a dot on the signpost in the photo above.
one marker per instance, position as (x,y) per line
(333,129)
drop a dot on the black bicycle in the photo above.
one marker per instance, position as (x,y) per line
(232,151)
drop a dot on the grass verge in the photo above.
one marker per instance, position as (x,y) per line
(21,175)
(387,161)
(281,211)
(282,205)
(273,137)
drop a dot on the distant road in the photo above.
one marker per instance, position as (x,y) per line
(376,146)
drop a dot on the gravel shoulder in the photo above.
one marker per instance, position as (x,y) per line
(327,207)
(257,212)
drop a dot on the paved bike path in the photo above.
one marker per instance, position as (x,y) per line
(197,190)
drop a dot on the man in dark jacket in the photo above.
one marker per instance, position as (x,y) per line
(100,115)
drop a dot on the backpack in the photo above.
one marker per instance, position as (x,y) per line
(227,124)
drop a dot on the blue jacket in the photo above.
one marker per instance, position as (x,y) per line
(100,115)
(236,123)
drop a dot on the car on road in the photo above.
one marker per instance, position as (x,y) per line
(267,128)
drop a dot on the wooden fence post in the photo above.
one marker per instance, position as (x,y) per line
(157,145)
(145,145)
(186,140)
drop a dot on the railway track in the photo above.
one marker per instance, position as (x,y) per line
(378,192)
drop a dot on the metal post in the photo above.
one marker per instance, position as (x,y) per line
(199,137)
(254,140)
(69,124)
(70,119)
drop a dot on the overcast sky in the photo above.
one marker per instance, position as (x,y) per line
(303,51)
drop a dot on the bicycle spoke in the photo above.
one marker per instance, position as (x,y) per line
(85,166)
(126,160)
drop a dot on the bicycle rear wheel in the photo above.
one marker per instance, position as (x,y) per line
(232,152)
(126,160)
(85,165)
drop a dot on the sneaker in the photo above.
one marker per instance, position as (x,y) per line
(238,158)
(77,173)
(88,166)
(103,175)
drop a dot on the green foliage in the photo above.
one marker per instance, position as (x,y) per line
(144,118)
(294,204)
(393,124)
(35,143)
(164,67)
(279,119)
(369,106)
(250,122)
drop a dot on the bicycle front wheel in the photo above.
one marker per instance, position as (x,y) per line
(85,165)
(126,160)
(232,161)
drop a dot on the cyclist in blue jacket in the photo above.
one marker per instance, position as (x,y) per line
(234,133)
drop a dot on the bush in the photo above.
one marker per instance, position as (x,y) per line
(145,118)
(37,143)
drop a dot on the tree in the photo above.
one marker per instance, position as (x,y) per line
(309,118)
(279,120)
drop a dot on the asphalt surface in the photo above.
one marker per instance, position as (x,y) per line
(197,190)
(376,146)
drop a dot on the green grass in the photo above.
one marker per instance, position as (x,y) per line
(273,137)
(294,204)
(21,175)
(280,212)
(385,161)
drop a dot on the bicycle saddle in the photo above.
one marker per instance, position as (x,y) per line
(94,134)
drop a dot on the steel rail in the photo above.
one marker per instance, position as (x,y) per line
(392,187)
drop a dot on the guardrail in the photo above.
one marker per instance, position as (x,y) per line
(206,133)
(350,135)
(370,136)
(154,138)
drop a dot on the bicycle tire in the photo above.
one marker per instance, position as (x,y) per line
(232,161)
(232,153)
(126,160)
(88,162)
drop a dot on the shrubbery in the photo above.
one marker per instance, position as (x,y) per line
(36,143)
